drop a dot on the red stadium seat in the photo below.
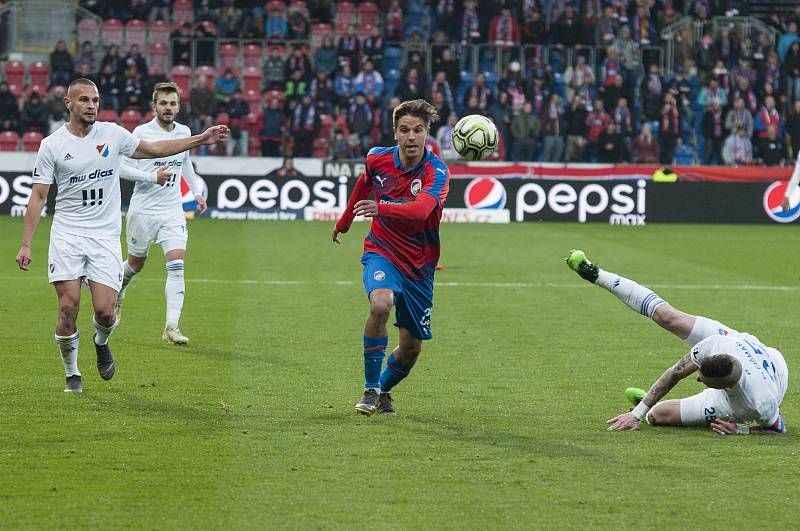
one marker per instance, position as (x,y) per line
(346,14)
(39,73)
(209,26)
(254,146)
(182,76)
(15,73)
(183,11)
(251,124)
(41,90)
(320,148)
(149,116)
(341,124)
(112,32)
(252,55)
(368,14)
(135,33)
(108,115)
(253,98)
(229,56)
(88,30)
(326,126)
(9,141)
(131,118)
(158,31)
(31,141)
(318,34)
(302,7)
(209,71)
(223,119)
(158,56)
(252,79)
(276,5)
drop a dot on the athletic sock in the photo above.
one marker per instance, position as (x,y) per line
(127,275)
(637,297)
(68,345)
(393,374)
(374,352)
(174,290)
(102,332)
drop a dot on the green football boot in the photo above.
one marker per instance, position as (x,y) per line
(578,262)
(635,395)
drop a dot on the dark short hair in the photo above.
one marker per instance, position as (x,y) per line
(719,366)
(416,108)
(169,87)
(81,81)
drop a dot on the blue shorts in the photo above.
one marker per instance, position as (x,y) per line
(413,299)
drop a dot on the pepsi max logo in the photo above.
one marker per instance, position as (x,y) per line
(773,197)
(485,192)
(187,198)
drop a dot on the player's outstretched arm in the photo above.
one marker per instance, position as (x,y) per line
(361,191)
(728,426)
(166,148)
(36,203)
(668,380)
(130,173)
(793,182)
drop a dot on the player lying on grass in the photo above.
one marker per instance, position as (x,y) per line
(746,380)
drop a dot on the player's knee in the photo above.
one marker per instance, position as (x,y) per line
(68,312)
(380,307)
(662,416)
(104,316)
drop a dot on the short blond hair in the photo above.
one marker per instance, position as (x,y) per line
(170,87)
(416,108)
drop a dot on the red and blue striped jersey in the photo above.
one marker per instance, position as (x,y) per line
(412,245)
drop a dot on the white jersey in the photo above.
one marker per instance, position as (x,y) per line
(86,174)
(758,394)
(150,197)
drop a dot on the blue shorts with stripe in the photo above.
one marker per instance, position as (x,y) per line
(413,299)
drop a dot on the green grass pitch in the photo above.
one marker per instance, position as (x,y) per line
(500,425)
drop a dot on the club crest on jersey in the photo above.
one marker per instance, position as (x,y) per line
(416,186)
(379,275)
(102,149)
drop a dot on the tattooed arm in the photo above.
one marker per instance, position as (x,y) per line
(630,421)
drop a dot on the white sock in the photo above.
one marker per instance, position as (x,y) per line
(638,298)
(127,276)
(174,291)
(102,332)
(68,345)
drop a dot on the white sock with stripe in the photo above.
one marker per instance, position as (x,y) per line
(637,297)
(101,332)
(68,345)
(174,290)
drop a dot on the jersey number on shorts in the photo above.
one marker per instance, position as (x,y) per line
(92,197)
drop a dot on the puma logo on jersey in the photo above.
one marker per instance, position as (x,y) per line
(102,149)
(381,179)
(68,157)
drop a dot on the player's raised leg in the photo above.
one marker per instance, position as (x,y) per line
(376,338)
(67,336)
(398,366)
(174,290)
(104,320)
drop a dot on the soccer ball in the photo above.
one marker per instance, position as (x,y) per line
(475,137)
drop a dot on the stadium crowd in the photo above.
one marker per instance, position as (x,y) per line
(564,80)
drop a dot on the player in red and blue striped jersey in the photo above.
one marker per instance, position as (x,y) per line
(403,189)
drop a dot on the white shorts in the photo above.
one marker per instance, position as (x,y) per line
(72,257)
(704,407)
(143,230)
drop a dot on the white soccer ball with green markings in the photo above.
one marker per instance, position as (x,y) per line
(475,137)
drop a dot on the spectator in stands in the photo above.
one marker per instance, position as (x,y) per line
(791,72)
(576,130)
(525,129)
(304,126)
(344,86)
(596,122)
(111,87)
(409,87)
(745,91)
(56,109)
(275,24)
(500,112)
(771,149)
(568,30)
(440,104)
(274,70)
(286,170)
(743,70)
(628,46)
(9,109)
(767,117)
(87,57)
(326,57)
(445,63)
(201,101)
(714,133)
(385,125)
(613,92)
(416,60)
(134,96)
(621,115)
(62,66)
(205,44)
(373,48)
(349,49)
(713,92)
(533,30)
(482,92)
(652,93)
(552,130)
(579,78)
(181,40)
(323,92)
(772,74)
(669,129)
(113,58)
(360,120)
(160,10)
(444,137)
(298,23)
(394,22)
(470,30)
(299,60)
(296,87)
(35,115)
(645,147)
(441,85)
(738,149)
(472,106)
(641,26)
(369,82)
(225,85)
(792,129)
(229,22)
(611,67)
(153,77)
(610,148)
(705,57)
(237,110)
(504,33)
(271,129)
(607,25)
(787,40)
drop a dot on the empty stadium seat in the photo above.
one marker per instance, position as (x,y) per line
(368,14)
(251,78)
(15,73)
(31,141)
(229,56)
(223,119)
(318,34)
(346,14)
(251,55)
(39,73)
(253,98)
(9,141)
(321,148)
(89,30)
(130,119)
(183,11)
(135,33)
(301,6)
(41,90)
(108,115)
(254,146)
(158,31)
(392,58)
(208,71)
(149,116)
(182,75)
(112,32)
(157,57)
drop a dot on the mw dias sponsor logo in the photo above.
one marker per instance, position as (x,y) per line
(102,149)
(773,197)
(189,202)
(485,192)
(96,174)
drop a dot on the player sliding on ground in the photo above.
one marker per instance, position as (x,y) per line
(401,250)
(82,158)
(746,380)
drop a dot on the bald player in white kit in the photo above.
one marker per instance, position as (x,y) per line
(746,380)
(82,158)
(155,214)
